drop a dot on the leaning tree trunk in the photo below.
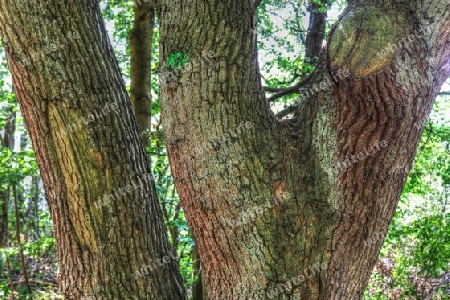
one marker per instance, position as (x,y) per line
(111,241)
(281,209)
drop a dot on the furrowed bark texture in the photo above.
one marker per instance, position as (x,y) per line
(281,209)
(87,146)
(141,55)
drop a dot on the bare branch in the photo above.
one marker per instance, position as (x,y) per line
(286,111)
(272,89)
(287,91)
(447,93)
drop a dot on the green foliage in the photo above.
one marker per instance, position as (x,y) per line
(418,242)
(323,5)
(282,30)
(40,247)
(40,250)
(15,166)
(177,60)
(118,16)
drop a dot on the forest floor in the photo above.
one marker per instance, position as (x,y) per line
(42,268)
(42,276)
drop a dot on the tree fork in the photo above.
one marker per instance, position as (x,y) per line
(366,118)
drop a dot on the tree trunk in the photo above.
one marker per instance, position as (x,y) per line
(4,201)
(34,211)
(7,142)
(141,57)
(108,223)
(19,243)
(198,290)
(281,209)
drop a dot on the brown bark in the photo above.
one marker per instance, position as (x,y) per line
(141,55)
(7,142)
(107,220)
(274,211)
(33,215)
(198,287)
(19,243)
(4,201)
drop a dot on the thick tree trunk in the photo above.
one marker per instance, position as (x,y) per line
(281,209)
(111,241)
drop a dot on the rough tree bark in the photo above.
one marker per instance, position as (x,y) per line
(331,173)
(107,220)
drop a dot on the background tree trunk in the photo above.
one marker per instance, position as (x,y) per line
(107,220)
(281,209)
(7,142)
(198,289)
(19,242)
(141,36)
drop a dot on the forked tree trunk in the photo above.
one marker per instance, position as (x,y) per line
(281,209)
(111,241)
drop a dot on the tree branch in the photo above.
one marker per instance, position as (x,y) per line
(272,89)
(447,93)
(257,3)
(313,44)
(286,111)
(280,92)
(316,31)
